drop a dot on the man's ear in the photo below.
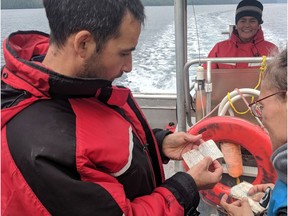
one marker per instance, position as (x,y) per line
(83,43)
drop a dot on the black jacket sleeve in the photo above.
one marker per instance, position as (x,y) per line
(160,134)
(184,188)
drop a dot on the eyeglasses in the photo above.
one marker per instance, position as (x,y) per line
(257,108)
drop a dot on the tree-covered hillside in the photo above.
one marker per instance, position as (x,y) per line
(15,4)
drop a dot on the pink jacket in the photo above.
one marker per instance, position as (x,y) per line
(234,47)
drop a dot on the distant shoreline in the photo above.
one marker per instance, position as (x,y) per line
(37,7)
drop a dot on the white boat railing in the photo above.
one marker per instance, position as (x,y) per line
(208,84)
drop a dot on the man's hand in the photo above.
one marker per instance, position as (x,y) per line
(206,173)
(178,143)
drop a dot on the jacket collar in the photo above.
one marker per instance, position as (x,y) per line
(23,46)
(258,37)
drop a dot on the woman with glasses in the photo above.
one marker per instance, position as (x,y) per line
(271,108)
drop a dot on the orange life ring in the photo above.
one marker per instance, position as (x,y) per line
(239,131)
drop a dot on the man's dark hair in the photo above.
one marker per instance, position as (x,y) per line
(102,18)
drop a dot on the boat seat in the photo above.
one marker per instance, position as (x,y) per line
(226,80)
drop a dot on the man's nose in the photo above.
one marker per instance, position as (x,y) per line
(127,67)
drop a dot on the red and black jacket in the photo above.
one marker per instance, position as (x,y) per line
(73,146)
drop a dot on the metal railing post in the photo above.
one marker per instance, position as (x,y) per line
(181,58)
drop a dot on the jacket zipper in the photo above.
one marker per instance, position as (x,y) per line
(144,145)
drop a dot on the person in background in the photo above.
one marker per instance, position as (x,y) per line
(271,107)
(247,38)
(74,144)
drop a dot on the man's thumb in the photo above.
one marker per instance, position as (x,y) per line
(208,159)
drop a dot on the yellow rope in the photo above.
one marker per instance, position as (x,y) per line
(238,181)
(231,104)
(261,71)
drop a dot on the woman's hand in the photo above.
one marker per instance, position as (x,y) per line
(237,208)
(257,191)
